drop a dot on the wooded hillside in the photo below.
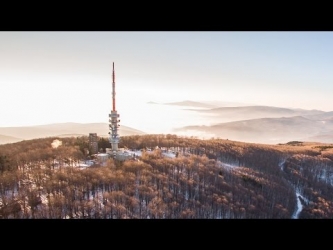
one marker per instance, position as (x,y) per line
(207,179)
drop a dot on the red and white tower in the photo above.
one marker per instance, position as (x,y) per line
(114,118)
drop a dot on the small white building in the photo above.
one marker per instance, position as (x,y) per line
(102,157)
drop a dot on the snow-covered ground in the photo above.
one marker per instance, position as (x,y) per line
(132,152)
(281,164)
(326,176)
(169,154)
(226,165)
(299,205)
(80,164)
(84,164)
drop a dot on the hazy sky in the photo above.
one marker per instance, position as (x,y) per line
(49,77)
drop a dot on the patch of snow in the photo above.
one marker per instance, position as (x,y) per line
(102,154)
(299,205)
(281,164)
(226,165)
(326,176)
(133,152)
(169,154)
(82,165)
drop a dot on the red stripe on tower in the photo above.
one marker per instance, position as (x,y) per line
(113,89)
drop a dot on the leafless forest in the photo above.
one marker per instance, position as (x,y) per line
(210,179)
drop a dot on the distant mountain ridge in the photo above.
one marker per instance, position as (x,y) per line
(191,104)
(228,114)
(321,116)
(255,123)
(14,134)
(268,130)
(8,139)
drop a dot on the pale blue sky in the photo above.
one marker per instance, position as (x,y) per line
(48,77)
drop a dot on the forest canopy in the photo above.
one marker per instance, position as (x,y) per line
(213,179)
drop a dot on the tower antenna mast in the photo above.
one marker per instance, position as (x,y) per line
(113,118)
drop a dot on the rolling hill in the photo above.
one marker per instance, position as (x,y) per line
(188,103)
(229,114)
(326,137)
(268,130)
(321,116)
(201,179)
(8,139)
(14,134)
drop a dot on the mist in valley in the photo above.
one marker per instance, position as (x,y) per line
(203,120)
